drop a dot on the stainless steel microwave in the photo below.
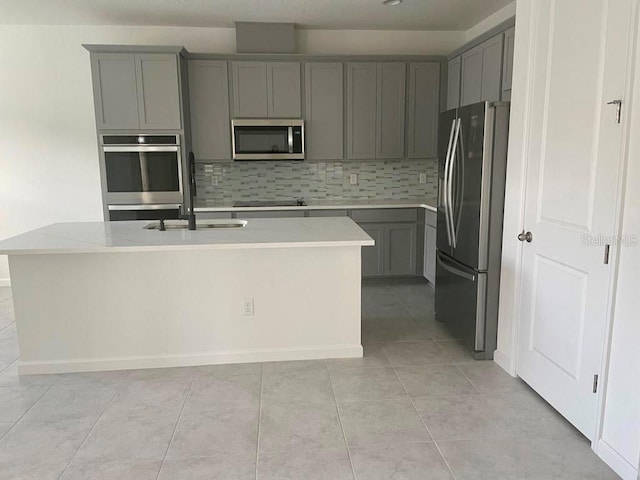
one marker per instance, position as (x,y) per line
(267,139)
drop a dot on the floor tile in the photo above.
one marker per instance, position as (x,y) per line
(415,353)
(117,438)
(373,357)
(297,366)
(29,471)
(10,378)
(419,294)
(122,470)
(489,378)
(229,370)
(456,351)
(317,464)
(437,330)
(415,461)
(71,401)
(386,422)
(530,458)
(239,391)
(461,418)
(435,380)
(5,293)
(223,467)
(297,427)
(36,443)
(150,397)
(390,313)
(15,401)
(312,387)
(5,427)
(115,377)
(184,374)
(366,384)
(381,330)
(215,432)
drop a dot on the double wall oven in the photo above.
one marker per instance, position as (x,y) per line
(142,176)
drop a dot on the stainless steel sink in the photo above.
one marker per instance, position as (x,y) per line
(183,224)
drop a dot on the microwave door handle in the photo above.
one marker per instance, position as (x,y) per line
(144,171)
(290,130)
(445,197)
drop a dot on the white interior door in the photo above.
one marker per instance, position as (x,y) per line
(579,64)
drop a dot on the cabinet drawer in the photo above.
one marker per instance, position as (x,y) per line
(269,214)
(385,215)
(328,213)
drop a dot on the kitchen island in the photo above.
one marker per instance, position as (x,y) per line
(117,295)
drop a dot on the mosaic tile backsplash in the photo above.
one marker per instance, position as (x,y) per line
(224,183)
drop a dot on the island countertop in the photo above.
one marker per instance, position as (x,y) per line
(103,237)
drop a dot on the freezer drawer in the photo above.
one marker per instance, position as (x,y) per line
(460,301)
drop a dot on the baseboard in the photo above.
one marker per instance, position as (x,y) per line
(5,282)
(210,358)
(617,463)
(503,362)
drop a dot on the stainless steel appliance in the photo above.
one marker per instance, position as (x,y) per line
(267,139)
(472,151)
(142,169)
(162,211)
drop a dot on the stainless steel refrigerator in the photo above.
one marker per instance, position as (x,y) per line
(472,152)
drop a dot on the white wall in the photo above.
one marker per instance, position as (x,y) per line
(49,160)
(491,21)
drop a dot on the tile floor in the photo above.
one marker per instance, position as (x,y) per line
(415,407)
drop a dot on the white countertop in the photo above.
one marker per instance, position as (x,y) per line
(427,203)
(109,237)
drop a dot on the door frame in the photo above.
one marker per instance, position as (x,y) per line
(515,198)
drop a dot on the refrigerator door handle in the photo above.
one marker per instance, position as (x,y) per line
(452,269)
(447,165)
(449,181)
(457,167)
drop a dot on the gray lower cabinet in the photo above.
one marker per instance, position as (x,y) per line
(507,64)
(324,111)
(136,91)
(481,72)
(423,110)
(430,247)
(400,249)
(266,89)
(373,257)
(209,102)
(453,82)
(375,110)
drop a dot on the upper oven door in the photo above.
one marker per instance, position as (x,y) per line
(143,174)
(260,139)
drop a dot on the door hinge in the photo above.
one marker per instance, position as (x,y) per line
(606,254)
(595,383)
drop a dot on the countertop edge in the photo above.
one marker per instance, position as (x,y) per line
(346,206)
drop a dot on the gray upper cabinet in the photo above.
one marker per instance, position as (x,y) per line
(249,89)
(266,89)
(115,91)
(453,82)
(136,91)
(324,111)
(158,91)
(482,72)
(283,90)
(362,90)
(375,110)
(390,115)
(209,101)
(507,64)
(423,110)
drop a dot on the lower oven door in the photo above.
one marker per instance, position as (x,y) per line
(144,212)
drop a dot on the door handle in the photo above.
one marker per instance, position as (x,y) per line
(618,104)
(525,236)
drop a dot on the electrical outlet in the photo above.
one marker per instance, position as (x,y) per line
(247,307)
(423,178)
(214,180)
(353,179)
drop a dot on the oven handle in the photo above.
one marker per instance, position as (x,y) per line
(161,206)
(147,148)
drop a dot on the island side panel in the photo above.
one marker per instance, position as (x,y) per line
(88,312)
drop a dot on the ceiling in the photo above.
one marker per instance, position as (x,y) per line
(311,14)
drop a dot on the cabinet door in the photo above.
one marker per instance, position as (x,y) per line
(372,257)
(424,97)
(390,115)
(209,101)
(283,90)
(250,89)
(453,82)
(491,69)
(507,63)
(115,91)
(361,110)
(400,249)
(471,85)
(158,91)
(324,111)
